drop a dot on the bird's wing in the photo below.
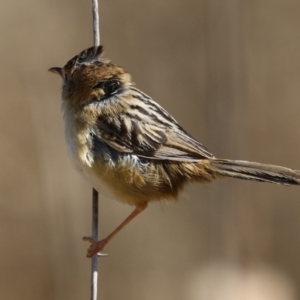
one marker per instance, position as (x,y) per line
(147,130)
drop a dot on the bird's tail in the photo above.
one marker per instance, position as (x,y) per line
(254,171)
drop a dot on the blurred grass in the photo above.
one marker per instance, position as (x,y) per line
(229,73)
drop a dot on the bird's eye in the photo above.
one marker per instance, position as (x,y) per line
(109,87)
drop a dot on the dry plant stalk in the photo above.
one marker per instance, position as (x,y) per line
(95,205)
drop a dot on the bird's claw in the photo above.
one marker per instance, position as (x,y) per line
(95,247)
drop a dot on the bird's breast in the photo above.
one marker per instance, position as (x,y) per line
(78,139)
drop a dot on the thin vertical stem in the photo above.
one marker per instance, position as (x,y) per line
(96,24)
(94,266)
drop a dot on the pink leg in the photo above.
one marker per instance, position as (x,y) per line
(97,246)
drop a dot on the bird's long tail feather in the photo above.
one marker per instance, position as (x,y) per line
(254,171)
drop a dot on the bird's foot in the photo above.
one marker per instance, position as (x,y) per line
(95,247)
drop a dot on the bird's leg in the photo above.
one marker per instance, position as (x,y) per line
(97,246)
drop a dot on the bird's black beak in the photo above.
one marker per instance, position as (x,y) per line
(58,71)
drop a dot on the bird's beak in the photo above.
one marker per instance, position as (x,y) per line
(56,70)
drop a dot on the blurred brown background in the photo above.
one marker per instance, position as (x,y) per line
(229,72)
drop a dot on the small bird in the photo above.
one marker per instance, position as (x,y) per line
(128,145)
